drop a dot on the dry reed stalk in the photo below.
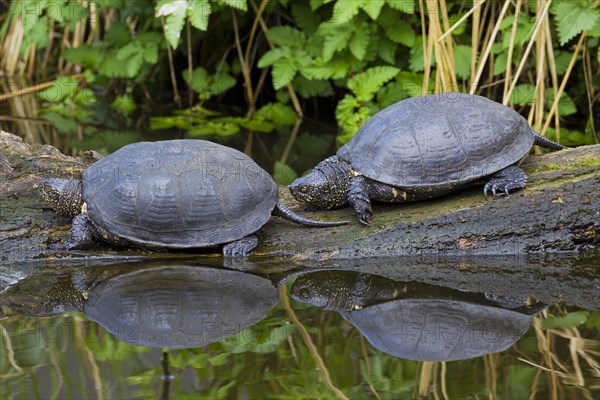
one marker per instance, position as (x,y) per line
(563,84)
(425,378)
(462,19)
(445,74)
(488,49)
(475,41)
(323,371)
(511,47)
(426,61)
(528,49)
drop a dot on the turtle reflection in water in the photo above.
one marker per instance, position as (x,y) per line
(418,321)
(179,307)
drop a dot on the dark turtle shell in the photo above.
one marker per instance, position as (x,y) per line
(438,329)
(178,194)
(181,306)
(438,141)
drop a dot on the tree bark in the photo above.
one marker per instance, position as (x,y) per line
(559,211)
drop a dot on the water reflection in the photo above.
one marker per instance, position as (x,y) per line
(193,309)
(418,321)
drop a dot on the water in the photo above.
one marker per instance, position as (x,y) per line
(239,332)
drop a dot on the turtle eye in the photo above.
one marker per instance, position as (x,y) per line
(304,189)
(304,294)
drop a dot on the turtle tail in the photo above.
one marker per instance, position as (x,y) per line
(547,143)
(283,211)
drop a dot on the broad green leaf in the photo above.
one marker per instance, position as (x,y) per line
(284,174)
(406,6)
(87,56)
(175,11)
(61,88)
(198,11)
(523,95)
(283,72)
(345,10)
(462,61)
(335,38)
(320,69)
(214,129)
(401,32)
(359,42)
(286,36)
(162,122)
(373,8)
(561,61)
(386,50)
(279,113)
(124,105)
(500,63)
(573,17)
(308,88)
(241,5)
(366,84)
(566,106)
(565,321)
(270,57)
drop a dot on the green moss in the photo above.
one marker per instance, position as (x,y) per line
(582,163)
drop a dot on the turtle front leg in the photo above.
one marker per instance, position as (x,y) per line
(505,180)
(241,247)
(358,197)
(82,235)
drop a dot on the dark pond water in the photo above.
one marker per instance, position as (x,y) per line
(370,329)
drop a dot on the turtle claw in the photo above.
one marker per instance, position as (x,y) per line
(240,248)
(503,181)
(365,216)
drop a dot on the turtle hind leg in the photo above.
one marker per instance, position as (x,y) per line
(505,180)
(241,247)
(82,235)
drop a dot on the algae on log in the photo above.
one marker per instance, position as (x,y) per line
(558,211)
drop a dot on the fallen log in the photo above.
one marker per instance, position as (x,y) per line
(559,211)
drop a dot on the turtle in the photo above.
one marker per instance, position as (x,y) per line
(172,194)
(424,147)
(182,306)
(417,321)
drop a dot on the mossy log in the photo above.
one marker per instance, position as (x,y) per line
(559,211)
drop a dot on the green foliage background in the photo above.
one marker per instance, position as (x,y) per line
(255,70)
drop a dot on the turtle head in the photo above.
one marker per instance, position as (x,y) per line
(64,195)
(326,186)
(327,290)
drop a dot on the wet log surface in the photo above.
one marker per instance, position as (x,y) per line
(559,211)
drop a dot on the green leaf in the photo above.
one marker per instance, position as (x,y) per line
(175,11)
(569,320)
(345,10)
(198,11)
(401,32)
(561,60)
(61,88)
(241,5)
(283,174)
(573,17)
(320,69)
(373,8)
(214,129)
(500,63)
(279,113)
(366,84)
(566,106)
(387,50)
(335,38)
(523,95)
(283,72)
(406,6)
(359,42)
(286,36)
(462,61)
(86,56)
(124,105)
(407,84)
